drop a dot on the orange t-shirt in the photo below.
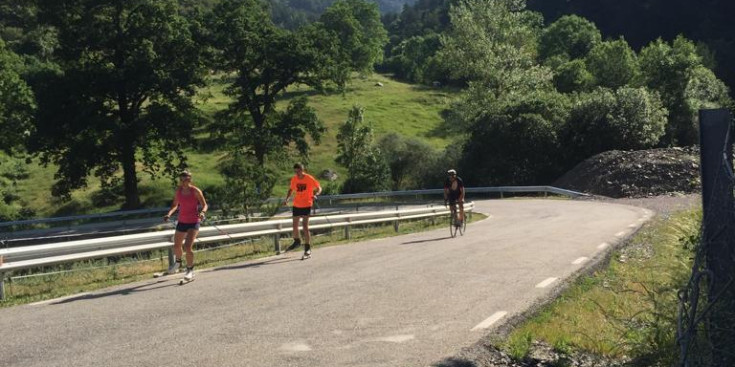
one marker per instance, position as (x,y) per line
(303,189)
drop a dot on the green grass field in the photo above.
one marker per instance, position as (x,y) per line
(395,107)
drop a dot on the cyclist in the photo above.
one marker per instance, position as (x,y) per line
(454,192)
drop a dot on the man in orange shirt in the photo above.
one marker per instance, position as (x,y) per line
(303,185)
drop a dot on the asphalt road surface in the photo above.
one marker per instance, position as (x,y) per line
(403,301)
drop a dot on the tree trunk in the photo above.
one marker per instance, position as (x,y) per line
(132,200)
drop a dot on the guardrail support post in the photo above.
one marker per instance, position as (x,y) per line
(277,240)
(2,286)
(347,229)
(501,194)
(171,259)
(546,193)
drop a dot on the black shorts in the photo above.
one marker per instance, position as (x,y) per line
(453,198)
(183,227)
(301,212)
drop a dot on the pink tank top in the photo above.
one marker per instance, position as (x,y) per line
(188,206)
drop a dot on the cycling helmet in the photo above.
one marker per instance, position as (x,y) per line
(451,172)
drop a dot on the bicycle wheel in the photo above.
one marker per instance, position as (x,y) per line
(452,228)
(463,227)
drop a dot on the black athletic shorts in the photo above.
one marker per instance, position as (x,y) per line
(453,197)
(301,212)
(183,227)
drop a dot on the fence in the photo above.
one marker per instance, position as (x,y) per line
(57,253)
(707,305)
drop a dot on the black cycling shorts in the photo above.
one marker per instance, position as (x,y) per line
(183,227)
(301,212)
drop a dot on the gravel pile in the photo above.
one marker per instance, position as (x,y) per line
(635,174)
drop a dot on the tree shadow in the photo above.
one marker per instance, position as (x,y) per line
(123,292)
(425,241)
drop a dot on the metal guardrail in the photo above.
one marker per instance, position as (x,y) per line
(501,190)
(27,257)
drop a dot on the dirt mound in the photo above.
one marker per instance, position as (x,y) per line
(642,173)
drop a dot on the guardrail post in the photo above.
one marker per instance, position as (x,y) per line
(546,193)
(395,223)
(171,258)
(347,229)
(433,217)
(2,286)
(277,240)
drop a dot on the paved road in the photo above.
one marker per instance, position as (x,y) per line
(402,301)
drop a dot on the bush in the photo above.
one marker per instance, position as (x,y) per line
(516,143)
(407,159)
(629,118)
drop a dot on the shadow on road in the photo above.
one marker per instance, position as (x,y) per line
(424,241)
(455,362)
(121,292)
(258,264)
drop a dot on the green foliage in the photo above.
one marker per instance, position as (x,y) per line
(612,63)
(677,72)
(247,185)
(17,103)
(629,118)
(573,77)
(128,70)
(516,142)
(489,40)
(570,36)
(412,59)
(408,159)
(266,60)
(366,168)
(360,34)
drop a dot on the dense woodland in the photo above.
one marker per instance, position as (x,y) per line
(105,89)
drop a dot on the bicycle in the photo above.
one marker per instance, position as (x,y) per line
(455,224)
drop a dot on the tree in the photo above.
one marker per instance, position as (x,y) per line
(360,33)
(128,70)
(246,187)
(407,158)
(366,168)
(570,36)
(612,63)
(266,60)
(489,40)
(677,73)
(629,118)
(17,103)
(516,140)
(573,77)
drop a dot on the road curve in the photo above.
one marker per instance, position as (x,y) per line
(403,301)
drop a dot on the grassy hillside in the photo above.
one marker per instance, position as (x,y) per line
(395,107)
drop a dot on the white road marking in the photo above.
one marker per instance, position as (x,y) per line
(546,283)
(490,320)
(579,261)
(603,245)
(295,347)
(396,338)
(620,234)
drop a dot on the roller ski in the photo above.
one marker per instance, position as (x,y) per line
(296,244)
(188,277)
(174,269)
(307,252)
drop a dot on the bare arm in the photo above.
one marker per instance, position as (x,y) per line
(288,195)
(202,202)
(174,206)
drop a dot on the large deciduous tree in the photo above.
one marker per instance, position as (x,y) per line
(122,97)
(265,60)
(16,102)
(366,168)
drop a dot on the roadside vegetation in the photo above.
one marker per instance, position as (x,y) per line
(626,311)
